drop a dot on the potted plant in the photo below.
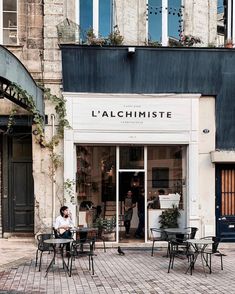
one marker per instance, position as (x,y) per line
(169,218)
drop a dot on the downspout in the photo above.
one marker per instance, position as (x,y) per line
(53,171)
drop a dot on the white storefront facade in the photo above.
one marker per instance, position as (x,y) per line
(152,142)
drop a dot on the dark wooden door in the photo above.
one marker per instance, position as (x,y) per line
(22,198)
(225,202)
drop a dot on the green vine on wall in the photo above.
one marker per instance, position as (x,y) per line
(11,120)
(60,108)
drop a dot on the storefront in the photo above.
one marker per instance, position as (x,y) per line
(146,143)
(179,128)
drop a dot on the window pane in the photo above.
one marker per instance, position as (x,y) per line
(105,17)
(9,5)
(174,19)
(131,157)
(86,16)
(166,173)
(220,6)
(155,20)
(96,185)
(9,20)
(9,36)
(22,147)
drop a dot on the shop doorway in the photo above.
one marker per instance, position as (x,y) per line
(131,196)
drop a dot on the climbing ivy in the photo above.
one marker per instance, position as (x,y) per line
(60,108)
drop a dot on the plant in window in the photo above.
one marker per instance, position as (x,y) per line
(185,41)
(115,38)
(169,218)
(93,40)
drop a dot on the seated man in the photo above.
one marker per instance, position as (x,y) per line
(63,224)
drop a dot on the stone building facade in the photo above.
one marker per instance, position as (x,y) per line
(38,49)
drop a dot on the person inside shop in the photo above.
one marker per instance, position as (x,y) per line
(128,211)
(141,215)
(63,224)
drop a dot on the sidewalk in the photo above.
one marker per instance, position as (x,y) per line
(135,272)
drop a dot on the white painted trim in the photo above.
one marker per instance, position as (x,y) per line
(1,22)
(117,193)
(69,95)
(229,20)
(147,21)
(77,11)
(164,22)
(96,17)
(233,23)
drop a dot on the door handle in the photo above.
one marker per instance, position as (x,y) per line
(223,218)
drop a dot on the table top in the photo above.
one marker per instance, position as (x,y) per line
(178,230)
(83,229)
(200,241)
(58,241)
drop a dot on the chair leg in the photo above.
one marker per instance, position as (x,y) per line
(70,267)
(36,258)
(152,248)
(104,245)
(92,265)
(40,262)
(170,265)
(221,261)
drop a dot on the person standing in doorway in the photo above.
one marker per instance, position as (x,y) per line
(128,212)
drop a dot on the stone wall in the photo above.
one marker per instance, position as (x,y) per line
(200,20)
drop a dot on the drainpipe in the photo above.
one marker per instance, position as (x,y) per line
(53,175)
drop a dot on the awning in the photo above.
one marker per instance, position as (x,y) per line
(13,71)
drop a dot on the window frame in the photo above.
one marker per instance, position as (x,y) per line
(2,28)
(95,15)
(165,23)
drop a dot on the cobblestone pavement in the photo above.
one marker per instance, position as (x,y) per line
(135,272)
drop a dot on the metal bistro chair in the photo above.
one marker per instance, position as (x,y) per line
(193,231)
(157,235)
(208,252)
(43,247)
(83,247)
(179,249)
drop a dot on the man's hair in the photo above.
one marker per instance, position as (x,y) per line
(62,209)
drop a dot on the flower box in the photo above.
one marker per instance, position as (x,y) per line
(170,200)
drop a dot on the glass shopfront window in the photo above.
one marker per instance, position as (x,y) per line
(166,181)
(160,179)
(96,185)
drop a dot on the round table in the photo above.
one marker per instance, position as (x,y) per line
(54,242)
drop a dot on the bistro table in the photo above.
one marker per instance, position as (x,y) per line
(176,233)
(199,246)
(54,242)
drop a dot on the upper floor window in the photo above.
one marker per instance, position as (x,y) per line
(96,15)
(8,22)
(164,20)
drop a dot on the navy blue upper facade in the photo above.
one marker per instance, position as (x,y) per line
(205,71)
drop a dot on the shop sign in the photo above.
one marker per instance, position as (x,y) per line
(132,114)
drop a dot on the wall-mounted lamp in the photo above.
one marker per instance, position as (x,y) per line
(206,131)
(131,50)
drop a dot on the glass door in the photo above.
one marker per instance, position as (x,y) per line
(131,179)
